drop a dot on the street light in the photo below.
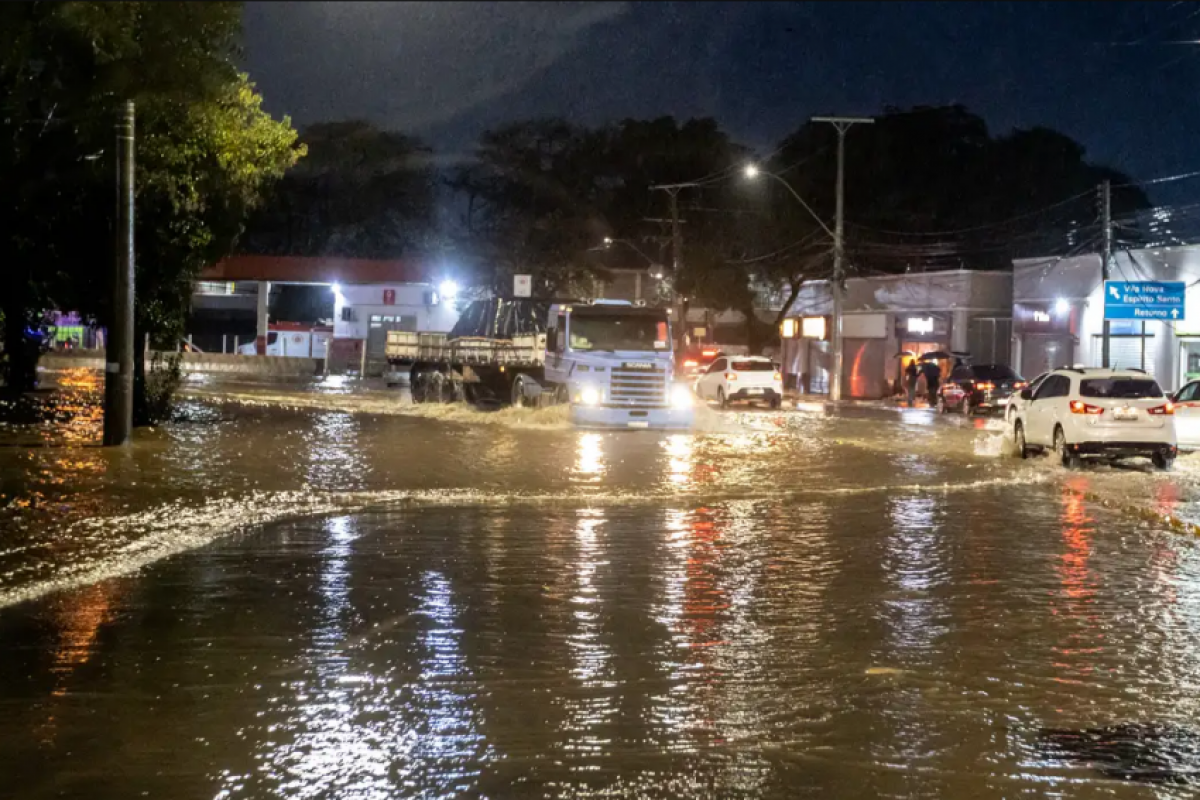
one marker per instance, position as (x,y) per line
(751,171)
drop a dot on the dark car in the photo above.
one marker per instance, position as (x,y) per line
(981,387)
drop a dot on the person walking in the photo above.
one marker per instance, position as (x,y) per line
(911,374)
(933,377)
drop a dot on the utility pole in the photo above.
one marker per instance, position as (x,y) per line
(118,367)
(672,190)
(1106,214)
(839,249)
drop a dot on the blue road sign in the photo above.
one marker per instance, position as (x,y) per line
(1148,300)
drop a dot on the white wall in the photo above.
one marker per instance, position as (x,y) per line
(367,300)
(1077,280)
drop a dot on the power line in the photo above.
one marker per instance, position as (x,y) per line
(975,228)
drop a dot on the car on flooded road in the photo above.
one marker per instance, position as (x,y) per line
(1187,416)
(1106,413)
(732,379)
(1016,401)
(979,388)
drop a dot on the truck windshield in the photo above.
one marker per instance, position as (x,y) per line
(618,332)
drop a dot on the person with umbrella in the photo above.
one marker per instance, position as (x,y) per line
(911,374)
(932,373)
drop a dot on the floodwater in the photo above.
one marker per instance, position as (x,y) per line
(287,597)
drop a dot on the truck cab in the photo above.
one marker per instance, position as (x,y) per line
(614,364)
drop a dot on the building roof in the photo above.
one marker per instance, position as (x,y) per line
(322,269)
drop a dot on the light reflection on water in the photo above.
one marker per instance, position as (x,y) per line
(735,648)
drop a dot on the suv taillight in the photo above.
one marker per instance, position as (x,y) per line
(731,376)
(1080,407)
(1160,411)
(985,386)
(777,377)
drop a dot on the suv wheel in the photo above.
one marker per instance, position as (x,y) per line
(1162,461)
(1022,447)
(1069,459)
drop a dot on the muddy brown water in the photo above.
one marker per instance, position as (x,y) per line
(290,598)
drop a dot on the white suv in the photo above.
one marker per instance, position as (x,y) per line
(733,378)
(1097,412)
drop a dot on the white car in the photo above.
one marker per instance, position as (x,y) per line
(1187,416)
(730,379)
(1097,412)
(1016,402)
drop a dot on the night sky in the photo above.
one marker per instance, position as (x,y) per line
(1121,78)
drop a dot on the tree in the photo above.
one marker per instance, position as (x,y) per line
(361,192)
(205,152)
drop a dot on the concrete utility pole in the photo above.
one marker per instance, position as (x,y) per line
(841,124)
(118,367)
(1106,214)
(672,190)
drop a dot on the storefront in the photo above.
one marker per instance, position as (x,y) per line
(1058,313)
(890,320)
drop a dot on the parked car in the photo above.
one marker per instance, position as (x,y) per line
(1097,412)
(730,379)
(1187,416)
(978,387)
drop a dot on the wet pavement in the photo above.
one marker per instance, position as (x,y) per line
(289,597)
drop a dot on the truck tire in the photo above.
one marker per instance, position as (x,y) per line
(418,385)
(517,397)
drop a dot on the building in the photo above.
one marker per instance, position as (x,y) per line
(890,319)
(1058,315)
(233,304)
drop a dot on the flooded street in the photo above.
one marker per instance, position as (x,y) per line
(332,593)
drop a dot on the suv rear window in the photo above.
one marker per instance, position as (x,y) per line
(753,366)
(1123,388)
(995,372)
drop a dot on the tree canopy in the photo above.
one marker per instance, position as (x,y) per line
(360,192)
(205,152)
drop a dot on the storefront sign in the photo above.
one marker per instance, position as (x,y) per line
(1041,318)
(920,325)
(814,328)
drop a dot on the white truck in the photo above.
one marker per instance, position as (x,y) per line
(612,362)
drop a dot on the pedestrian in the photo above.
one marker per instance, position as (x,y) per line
(911,374)
(933,377)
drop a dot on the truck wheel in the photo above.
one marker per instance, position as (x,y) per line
(561,395)
(519,400)
(418,386)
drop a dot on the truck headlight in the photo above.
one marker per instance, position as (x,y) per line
(589,396)
(681,396)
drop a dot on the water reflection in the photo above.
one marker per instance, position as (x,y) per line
(333,452)
(590,464)
(589,714)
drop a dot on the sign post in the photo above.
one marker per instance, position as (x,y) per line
(522,285)
(1145,300)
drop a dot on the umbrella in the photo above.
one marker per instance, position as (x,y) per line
(935,355)
(904,354)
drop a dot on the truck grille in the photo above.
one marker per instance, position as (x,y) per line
(642,388)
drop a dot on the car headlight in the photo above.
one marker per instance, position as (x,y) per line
(589,396)
(681,396)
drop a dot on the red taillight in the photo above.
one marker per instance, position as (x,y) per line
(731,376)
(1160,411)
(1020,385)
(777,376)
(708,353)
(691,363)
(985,386)
(1080,407)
